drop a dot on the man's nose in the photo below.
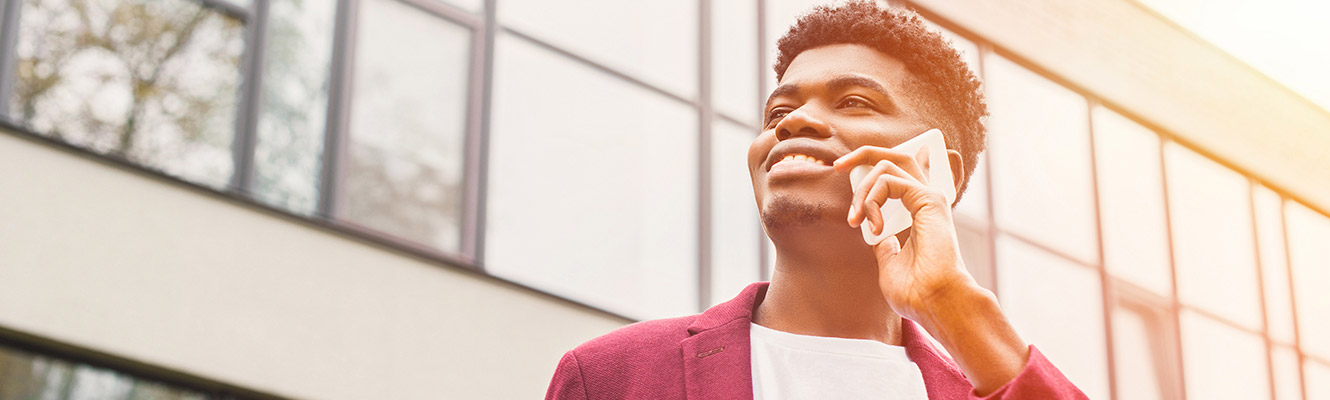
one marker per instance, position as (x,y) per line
(801,122)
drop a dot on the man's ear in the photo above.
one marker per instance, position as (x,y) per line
(957,169)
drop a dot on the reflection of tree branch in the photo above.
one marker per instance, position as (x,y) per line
(142,86)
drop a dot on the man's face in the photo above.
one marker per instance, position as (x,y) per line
(831,100)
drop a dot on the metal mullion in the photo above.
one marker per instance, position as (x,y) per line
(704,116)
(1175,307)
(1260,286)
(480,193)
(446,11)
(230,9)
(597,66)
(339,102)
(991,225)
(763,254)
(1292,299)
(1105,284)
(471,145)
(717,114)
(9,21)
(251,94)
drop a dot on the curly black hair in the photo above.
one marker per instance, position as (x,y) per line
(940,83)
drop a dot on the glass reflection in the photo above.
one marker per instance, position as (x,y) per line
(735,228)
(614,167)
(1056,305)
(655,41)
(1210,210)
(1131,202)
(1039,155)
(734,63)
(294,104)
(408,119)
(1221,362)
(1308,234)
(1274,263)
(152,81)
(26,375)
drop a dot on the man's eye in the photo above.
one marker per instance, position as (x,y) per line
(777,114)
(853,102)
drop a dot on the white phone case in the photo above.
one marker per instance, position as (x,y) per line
(895,218)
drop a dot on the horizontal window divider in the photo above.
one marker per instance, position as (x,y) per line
(448,11)
(1045,248)
(232,10)
(599,67)
(726,117)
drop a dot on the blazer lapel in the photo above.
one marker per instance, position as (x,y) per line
(717,357)
(942,379)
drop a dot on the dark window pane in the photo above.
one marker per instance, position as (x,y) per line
(408,117)
(27,375)
(152,81)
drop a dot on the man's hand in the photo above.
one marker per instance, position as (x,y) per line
(924,278)
(928,263)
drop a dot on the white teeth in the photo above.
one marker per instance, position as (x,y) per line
(801,157)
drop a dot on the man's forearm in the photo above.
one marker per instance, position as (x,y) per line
(971,326)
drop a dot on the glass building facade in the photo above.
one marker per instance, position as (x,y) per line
(594,150)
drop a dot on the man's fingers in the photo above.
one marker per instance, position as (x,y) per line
(875,216)
(872,154)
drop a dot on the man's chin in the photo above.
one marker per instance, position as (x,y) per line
(784,213)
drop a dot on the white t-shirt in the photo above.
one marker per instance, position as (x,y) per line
(791,366)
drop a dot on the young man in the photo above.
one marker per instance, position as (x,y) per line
(838,319)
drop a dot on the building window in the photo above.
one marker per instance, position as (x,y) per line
(29,375)
(407,125)
(592,185)
(153,82)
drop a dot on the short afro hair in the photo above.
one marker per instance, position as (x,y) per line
(941,83)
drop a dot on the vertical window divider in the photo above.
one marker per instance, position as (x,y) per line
(1293,299)
(704,117)
(991,219)
(763,255)
(475,222)
(1260,286)
(1107,296)
(338,116)
(9,13)
(251,97)
(1175,307)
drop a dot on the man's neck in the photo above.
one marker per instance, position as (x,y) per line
(828,291)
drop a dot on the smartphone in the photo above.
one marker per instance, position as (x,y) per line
(895,218)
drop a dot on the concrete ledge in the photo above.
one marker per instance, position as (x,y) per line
(116,261)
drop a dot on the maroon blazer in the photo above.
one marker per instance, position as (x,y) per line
(706,356)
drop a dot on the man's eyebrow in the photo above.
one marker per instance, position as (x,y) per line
(782,90)
(840,83)
(846,81)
